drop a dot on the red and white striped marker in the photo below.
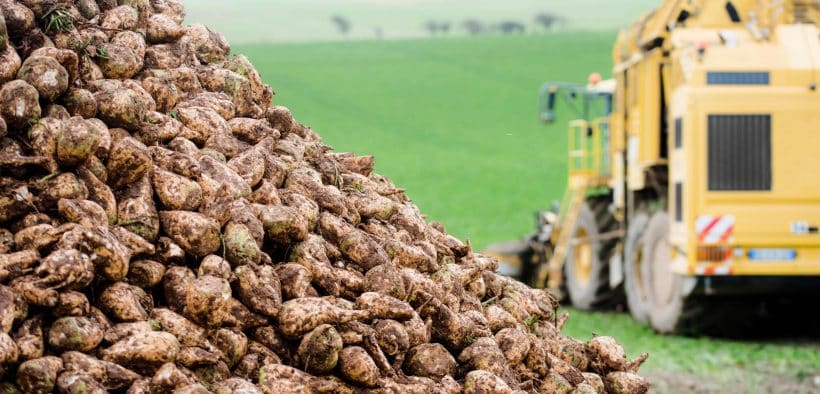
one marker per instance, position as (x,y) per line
(715,229)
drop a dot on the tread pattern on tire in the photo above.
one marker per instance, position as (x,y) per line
(605,297)
(693,314)
(636,301)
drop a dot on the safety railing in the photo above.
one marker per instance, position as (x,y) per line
(589,148)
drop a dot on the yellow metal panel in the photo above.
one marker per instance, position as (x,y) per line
(656,25)
(764,218)
(616,182)
(649,100)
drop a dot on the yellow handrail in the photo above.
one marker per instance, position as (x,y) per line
(587,153)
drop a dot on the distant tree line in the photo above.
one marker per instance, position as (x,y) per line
(544,21)
(437,27)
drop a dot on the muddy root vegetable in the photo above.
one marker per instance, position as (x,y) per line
(485,354)
(125,303)
(481,382)
(121,107)
(197,234)
(75,333)
(19,103)
(282,224)
(240,244)
(211,47)
(145,273)
(66,268)
(235,385)
(187,332)
(162,28)
(78,382)
(354,244)
(30,339)
(111,376)
(9,352)
(46,74)
(296,281)
(626,382)
(259,289)
(384,306)
(80,102)
(83,212)
(357,366)
(301,315)
(169,378)
(232,343)
(392,337)
(207,301)
(71,303)
(430,360)
(39,375)
(141,166)
(176,192)
(319,349)
(143,352)
(10,63)
(16,264)
(514,343)
(606,355)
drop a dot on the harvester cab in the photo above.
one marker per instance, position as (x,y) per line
(586,101)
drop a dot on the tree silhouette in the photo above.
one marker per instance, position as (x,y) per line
(548,20)
(435,27)
(444,27)
(431,26)
(473,26)
(341,23)
(509,27)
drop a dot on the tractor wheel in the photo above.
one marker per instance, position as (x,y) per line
(671,311)
(731,316)
(634,280)
(587,265)
(666,305)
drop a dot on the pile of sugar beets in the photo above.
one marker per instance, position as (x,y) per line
(165,229)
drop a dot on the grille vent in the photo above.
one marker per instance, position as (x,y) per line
(737,78)
(740,152)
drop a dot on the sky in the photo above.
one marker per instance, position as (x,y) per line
(250,21)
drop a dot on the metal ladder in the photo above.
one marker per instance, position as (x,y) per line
(576,196)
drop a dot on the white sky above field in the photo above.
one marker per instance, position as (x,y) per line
(245,21)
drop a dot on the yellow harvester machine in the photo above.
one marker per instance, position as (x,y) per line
(694,174)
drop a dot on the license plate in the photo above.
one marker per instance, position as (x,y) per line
(772,254)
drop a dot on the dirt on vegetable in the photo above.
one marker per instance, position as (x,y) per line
(165,227)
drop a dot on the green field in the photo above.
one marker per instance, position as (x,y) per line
(454,121)
(705,365)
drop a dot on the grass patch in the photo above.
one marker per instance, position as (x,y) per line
(720,363)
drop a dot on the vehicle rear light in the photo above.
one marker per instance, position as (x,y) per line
(714,254)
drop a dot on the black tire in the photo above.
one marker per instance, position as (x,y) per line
(592,291)
(670,310)
(634,281)
(531,260)
(666,305)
